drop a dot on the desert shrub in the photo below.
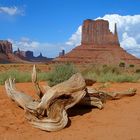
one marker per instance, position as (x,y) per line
(38,70)
(102,70)
(112,77)
(60,73)
(137,70)
(122,64)
(111,74)
(104,65)
(110,69)
(131,65)
(122,78)
(20,76)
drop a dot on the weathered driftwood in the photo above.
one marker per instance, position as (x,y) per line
(35,82)
(104,95)
(49,112)
(20,98)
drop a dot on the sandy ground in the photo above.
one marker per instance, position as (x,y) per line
(119,120)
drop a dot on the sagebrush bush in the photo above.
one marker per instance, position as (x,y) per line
(122,64)
(110,74)
(131,65)
(19,76)
(137,70)
(60,73)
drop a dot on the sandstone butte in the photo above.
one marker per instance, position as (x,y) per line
(6,53)
(98,46)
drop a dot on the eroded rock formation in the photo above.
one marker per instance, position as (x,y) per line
(29,56)
(6,53)
(98,46)
(5,47)
(98,33)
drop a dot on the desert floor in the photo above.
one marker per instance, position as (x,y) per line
(119,120)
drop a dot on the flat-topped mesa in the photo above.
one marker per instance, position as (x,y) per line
(98,33)
(5,47)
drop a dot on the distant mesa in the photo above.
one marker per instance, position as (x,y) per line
(8,56)
(29,56)
(98,46)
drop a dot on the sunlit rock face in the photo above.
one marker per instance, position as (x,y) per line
(98,33)
(98,46)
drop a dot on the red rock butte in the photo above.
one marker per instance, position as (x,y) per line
(6,53)
(98,46)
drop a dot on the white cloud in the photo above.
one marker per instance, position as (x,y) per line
(74,40)
(12,11)
(129,42)
(128,30)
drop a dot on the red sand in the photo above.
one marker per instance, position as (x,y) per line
(119,120)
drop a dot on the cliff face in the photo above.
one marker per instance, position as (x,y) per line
(5,47)
(98,33)
(6,53)
(98,46)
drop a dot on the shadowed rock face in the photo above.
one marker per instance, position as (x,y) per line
(98,46)
(29,56)
(5,47)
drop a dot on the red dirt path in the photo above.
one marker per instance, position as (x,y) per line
(119,120)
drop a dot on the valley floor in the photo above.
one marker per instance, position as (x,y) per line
(119,120)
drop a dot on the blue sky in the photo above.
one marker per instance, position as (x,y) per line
(48,26)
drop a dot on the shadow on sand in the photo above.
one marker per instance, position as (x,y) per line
(79,110)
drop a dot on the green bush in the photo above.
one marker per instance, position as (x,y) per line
(131,66)
(122,64)
(110,69)
(137,70)
(104,65)
(112,77)
(20,76)
(60,73)
(102,70)
(111,74)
